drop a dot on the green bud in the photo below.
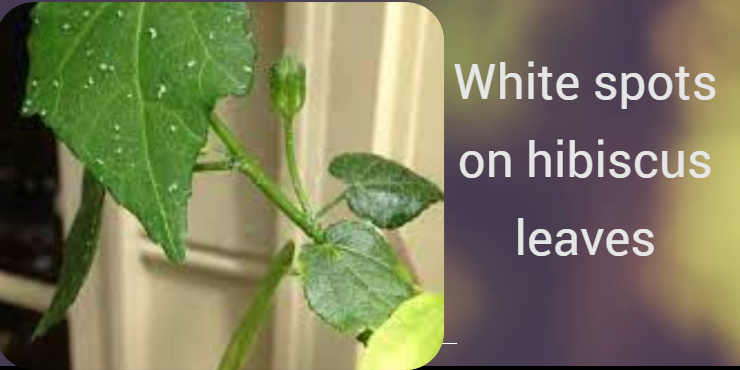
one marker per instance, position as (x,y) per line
(287,86)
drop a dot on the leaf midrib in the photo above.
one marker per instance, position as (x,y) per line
(144,133)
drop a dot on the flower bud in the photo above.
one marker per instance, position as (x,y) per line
(287,86)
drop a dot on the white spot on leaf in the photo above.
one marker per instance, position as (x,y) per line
(152,32)
(161,90)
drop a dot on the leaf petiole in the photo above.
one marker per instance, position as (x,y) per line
(331,205)
(215,166)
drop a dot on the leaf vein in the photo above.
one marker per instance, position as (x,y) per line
(144,129)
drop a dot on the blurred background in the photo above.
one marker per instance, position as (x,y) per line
(375,84)
(677,307)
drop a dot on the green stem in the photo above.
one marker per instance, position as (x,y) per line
(247,164)
(218,166)
(327,208)
(242,340)
(295,175)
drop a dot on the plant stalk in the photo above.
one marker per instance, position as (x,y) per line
(236,354)
(295,175)
(248,165)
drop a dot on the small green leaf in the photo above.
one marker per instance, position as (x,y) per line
(410,339)
(354,280)
(129,88)
(79,253)
(383,191)
(236,354)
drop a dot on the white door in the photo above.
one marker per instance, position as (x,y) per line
(376,84)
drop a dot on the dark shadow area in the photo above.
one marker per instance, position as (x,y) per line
(30,229)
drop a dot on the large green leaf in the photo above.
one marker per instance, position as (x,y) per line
(79,252)
(129,88)
(383,191)
(410,339)
(354,280)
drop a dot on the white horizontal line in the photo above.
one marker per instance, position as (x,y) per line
(448,343)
